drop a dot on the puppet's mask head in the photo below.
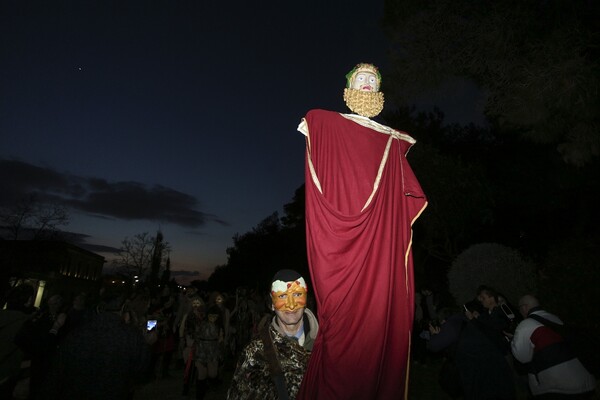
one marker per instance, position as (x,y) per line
(362,94)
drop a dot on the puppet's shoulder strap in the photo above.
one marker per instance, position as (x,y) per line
(376,126)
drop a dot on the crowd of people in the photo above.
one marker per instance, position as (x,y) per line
(104,345)
(489,351)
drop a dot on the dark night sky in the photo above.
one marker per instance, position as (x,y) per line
(146,114)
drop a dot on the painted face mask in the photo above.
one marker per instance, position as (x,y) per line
(364,77)
(289,296)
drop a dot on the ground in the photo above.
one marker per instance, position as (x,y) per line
(422,386)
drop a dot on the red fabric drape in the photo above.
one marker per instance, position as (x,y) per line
(360,261)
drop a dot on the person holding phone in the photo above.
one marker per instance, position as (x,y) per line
(482,353)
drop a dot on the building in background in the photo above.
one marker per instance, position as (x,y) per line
(51,267)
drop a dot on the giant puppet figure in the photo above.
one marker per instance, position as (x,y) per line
(361,201)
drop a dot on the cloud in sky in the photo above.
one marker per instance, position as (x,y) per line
(80,240)
(100,198)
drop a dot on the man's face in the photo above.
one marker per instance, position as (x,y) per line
(523,310)
(289,301)
(488,302)
(365,82)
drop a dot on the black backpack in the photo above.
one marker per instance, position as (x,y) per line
(578,343)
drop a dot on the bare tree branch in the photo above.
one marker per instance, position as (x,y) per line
(32,219)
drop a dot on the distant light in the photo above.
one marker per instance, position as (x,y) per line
(123,282)
(113,281)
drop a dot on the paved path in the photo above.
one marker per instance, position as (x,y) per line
(170,388)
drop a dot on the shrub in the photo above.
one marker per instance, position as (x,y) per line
(495,265)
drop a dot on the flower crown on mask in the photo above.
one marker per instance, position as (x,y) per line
(363,67)
(282,286)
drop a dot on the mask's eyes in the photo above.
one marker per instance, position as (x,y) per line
(372,80)
(298,294)
(282,296)
(360,78)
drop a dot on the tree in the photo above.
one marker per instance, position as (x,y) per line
(294,233)
(569,281)
(537,62)
(157,259)
(256,254)
(456,185)
(138,253)
(31,219)
(275,243)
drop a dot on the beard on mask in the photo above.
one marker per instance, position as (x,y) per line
(367,104)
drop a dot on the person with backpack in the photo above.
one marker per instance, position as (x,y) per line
(554,371)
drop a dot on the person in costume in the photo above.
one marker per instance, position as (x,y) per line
(203,334)
(362,198)
(272,365)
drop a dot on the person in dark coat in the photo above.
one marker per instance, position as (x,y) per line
(472,357)
(102,359)
(38,338)
(482,354)
(484,370)
(12,319)
(444,338)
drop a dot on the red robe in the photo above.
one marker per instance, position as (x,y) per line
(360,259)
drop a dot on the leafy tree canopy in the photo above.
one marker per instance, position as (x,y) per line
(537,61)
